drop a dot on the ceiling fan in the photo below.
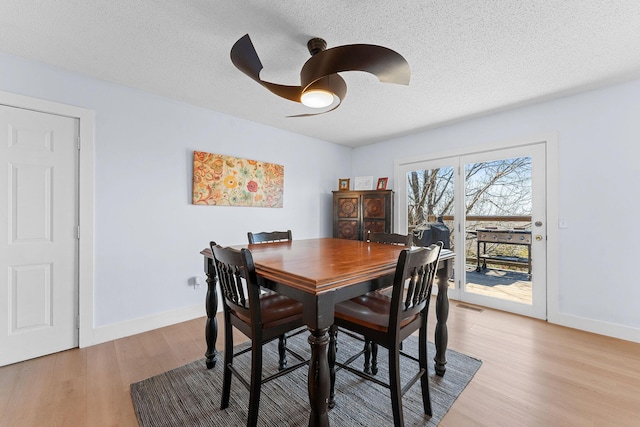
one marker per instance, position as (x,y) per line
(320,84)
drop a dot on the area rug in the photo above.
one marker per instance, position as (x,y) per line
(190,395)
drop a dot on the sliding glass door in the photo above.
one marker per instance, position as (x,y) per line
(494,204)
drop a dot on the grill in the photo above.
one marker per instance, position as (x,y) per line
(503,237)
(432,232)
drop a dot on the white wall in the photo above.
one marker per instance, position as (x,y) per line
(147,234)
(599,169)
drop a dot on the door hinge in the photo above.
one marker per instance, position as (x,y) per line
(77,232)
(77,321)
(78,143)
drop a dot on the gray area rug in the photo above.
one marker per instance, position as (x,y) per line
(190,395)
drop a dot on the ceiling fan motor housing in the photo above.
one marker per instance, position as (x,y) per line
(316,45)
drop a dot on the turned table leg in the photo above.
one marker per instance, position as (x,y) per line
(211,305)
(333,346)
(319,378)
(442,313)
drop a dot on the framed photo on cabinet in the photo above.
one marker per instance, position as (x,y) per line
(382,183)
(343,184)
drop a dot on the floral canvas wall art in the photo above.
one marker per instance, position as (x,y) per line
(230,181)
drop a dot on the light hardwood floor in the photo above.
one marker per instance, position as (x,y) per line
(533,374)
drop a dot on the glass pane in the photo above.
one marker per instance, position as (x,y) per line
(430,198)
(498,206)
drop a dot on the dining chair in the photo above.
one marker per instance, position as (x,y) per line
(390,238)
(269,237)
(371,349)
(262,317)
(387,321)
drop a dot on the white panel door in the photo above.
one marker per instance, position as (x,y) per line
(38,241)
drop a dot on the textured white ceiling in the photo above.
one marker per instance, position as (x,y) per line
(467,57)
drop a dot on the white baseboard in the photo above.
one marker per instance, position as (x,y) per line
(144,324)
(596,326)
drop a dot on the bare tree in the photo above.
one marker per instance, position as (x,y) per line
(430,193)
(500,187)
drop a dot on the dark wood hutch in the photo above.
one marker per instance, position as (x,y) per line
(356,212)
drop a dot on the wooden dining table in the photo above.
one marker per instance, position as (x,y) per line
(320,273)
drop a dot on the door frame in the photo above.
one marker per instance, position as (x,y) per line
(550,140)
(86,120)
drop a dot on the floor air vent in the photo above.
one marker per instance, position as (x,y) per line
(470,307)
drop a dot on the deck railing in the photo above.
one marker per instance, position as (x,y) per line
(473,222)
(491,218)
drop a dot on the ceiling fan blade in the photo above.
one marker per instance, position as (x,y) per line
(292,93)
(245,58)
(386,64)
(314,114)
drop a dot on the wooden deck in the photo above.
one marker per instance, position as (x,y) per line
(500,283)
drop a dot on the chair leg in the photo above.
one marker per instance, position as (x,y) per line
(282,352)
(370,357)
(374,358)
(395,388)
(424,380)
(228,360)
(367,356)
(256,378)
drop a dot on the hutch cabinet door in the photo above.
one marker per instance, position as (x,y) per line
(346,215)
(377,213)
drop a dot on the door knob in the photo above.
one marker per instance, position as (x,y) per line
(538,237)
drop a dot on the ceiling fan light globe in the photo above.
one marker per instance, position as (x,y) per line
(317,98)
